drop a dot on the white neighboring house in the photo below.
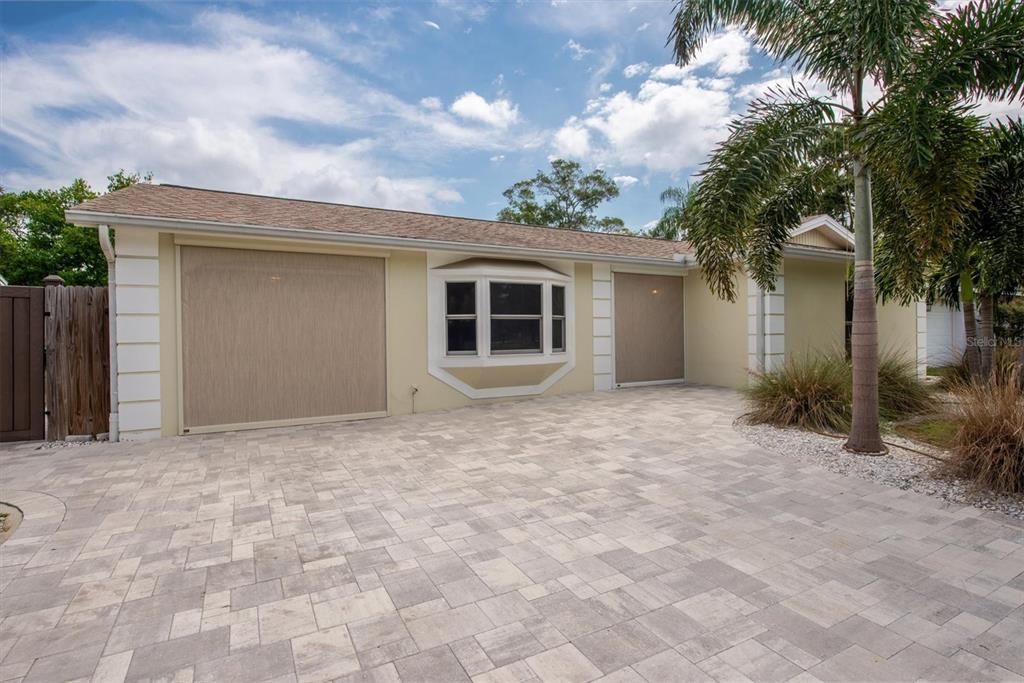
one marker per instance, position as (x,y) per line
(947,339)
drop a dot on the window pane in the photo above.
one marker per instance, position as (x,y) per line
(557,300)
(508,298)
(515,335)
(558,334)
(461,298)
(462,335)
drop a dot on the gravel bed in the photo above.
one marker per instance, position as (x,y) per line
(900,468)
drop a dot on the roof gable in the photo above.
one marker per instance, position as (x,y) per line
(824,232)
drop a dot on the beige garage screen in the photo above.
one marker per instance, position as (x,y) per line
(272,336)
(648,328)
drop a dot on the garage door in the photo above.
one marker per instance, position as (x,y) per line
(276,337)
(648,328)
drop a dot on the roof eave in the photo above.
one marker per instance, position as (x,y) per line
(817,253)
(92,219)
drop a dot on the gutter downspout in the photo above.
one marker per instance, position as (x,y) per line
(108,251)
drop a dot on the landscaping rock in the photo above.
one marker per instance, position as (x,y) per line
(900,468)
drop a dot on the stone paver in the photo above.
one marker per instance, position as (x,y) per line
(624,536)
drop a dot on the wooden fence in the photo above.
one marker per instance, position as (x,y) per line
(76,339)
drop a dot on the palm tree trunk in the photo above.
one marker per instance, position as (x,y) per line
(986,333)
(971,354)
(865,434)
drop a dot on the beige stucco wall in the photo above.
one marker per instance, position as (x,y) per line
(715,334)
(505,376)
(406,330)
(897,330)
(815,306)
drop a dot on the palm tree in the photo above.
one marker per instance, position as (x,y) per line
(672,224)
(758,182)
(986,258)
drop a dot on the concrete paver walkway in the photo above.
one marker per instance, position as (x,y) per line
(631,535)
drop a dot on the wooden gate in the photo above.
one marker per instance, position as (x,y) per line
(77,361)
(21,363)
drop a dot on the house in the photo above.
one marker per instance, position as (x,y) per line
(947,337)
(237,311)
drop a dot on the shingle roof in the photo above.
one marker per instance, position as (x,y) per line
(213,206)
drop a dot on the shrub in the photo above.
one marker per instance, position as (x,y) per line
(955,376)
(816,392)
(900,393)
(988,448)
(812,393)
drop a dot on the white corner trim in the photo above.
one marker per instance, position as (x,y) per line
(766,326)
(137,321)
(604,346)
(922,339)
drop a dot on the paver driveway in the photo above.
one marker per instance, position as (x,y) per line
(629,534)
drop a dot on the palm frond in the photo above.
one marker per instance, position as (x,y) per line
(927,169)
(977,51)
(765,147)
(770,21)
(996,221)
(794,197)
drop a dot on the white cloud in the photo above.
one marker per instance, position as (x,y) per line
(498,157)
(604,87)
(231,111)
(471,10)
(572,140)
(663,127)
(625,181)
(345,41)
(499,113)
(634,70)
(432,24)
(728,53)
(999,110)
(669,72)
(433,103)
(577,50)
(600,71)
(643,27)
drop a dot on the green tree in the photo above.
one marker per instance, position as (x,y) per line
(672,224)
(564,198)
(777,158)
(985,261)
(36,241)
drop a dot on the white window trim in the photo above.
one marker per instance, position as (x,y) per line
(483,275)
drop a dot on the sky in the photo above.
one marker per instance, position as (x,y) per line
(433,105)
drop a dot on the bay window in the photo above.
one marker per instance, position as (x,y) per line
(491,313)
